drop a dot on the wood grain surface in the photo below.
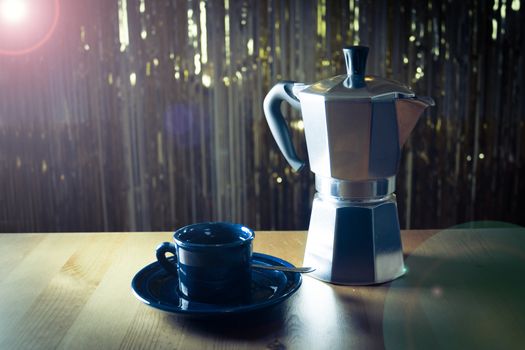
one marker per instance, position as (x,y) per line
(72,291)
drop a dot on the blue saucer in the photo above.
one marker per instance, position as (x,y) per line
(159,289)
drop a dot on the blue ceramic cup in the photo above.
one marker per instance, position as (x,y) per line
(213,261)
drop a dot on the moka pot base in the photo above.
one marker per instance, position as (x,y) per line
(354,240)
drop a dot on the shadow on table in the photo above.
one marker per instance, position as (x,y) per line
(245,326)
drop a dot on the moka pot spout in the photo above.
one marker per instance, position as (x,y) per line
(408,111)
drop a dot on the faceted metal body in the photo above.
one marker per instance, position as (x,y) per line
(355,126)
(350,144)
(354,243)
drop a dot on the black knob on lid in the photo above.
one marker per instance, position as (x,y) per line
(355,58)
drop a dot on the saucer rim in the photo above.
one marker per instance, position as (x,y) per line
(218,309)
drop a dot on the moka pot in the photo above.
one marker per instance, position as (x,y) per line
(355,126)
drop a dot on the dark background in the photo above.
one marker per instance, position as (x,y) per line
(158,123)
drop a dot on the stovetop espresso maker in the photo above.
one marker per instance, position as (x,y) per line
(355,126)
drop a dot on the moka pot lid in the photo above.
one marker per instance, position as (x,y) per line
(355,85)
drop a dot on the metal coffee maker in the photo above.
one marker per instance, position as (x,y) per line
(355,126)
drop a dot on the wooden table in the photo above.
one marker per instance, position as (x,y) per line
(464,289)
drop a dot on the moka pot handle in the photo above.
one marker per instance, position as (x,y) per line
(282,91)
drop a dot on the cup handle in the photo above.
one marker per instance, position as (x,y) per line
(162,249)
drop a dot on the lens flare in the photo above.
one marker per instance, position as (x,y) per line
(26,25)
(13,11)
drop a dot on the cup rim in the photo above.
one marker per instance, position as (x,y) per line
(221,245)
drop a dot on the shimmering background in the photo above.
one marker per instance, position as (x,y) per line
(147,115)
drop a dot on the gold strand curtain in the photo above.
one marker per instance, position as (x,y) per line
(147,115)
